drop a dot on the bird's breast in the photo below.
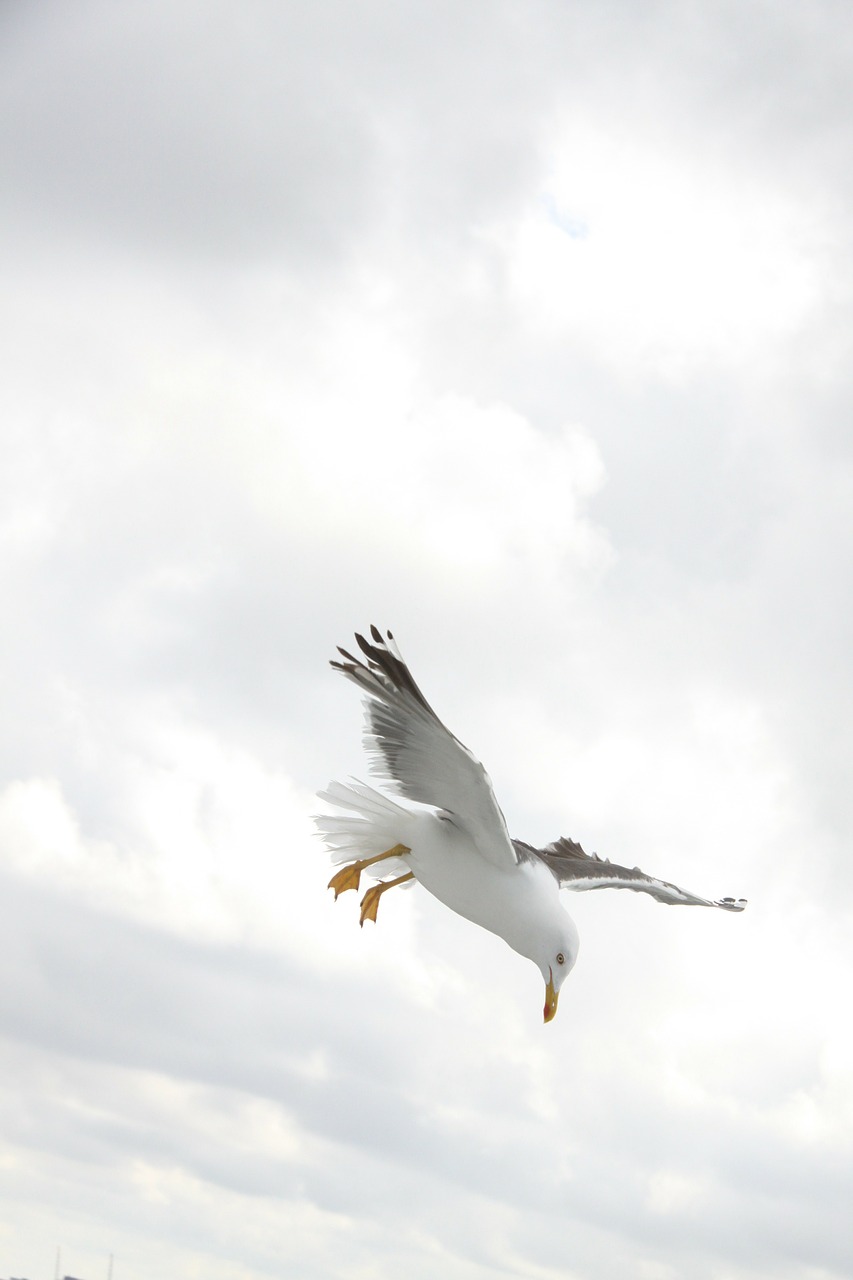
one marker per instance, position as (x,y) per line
(506,901)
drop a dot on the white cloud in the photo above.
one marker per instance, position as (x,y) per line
(523,333)
(662,262)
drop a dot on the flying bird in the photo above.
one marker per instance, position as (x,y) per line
(456,844)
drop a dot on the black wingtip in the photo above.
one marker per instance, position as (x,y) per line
(384,665)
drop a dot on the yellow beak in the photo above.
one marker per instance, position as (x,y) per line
(551,998)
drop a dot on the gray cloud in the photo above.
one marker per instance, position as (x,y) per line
(234,1024)
(295,341)
(276,130)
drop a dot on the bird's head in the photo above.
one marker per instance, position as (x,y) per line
(556,960)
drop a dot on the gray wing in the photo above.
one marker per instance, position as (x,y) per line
(413,750)
(574,869)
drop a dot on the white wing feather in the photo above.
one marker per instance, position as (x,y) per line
(417,754)
(579,871)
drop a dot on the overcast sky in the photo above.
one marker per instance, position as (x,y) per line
(525,330)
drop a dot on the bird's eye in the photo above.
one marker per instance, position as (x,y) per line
(561,959)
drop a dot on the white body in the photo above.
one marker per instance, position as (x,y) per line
(516,904)
(521,903)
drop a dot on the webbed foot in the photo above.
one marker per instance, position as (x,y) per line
(370,901)
(349,876)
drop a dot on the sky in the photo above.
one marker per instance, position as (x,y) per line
(525,330)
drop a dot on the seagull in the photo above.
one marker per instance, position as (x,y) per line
(456,843)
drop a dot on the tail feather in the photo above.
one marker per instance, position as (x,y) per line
(366,823)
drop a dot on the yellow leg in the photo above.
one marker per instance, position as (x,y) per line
(350,875)
(370,901)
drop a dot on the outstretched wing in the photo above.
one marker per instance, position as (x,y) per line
(574,869)
(413,750)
